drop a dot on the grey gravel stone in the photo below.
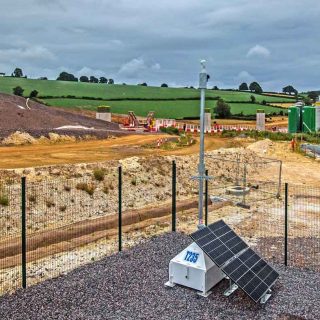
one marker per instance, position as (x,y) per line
(130,285)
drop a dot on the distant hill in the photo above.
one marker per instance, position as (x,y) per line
(167,102)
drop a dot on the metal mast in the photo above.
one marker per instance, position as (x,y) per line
(201,167)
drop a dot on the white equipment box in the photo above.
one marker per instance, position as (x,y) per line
(194,269)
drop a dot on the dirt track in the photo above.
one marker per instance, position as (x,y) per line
(92,151)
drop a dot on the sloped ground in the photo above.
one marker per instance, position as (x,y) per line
(37,119)
(130,285)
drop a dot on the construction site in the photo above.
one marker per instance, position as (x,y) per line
(85,195)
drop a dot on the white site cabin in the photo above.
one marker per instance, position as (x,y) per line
(194,269)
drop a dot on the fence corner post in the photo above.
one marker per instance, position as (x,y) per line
(23,233)
(120,207)
(174,193)
(286,225)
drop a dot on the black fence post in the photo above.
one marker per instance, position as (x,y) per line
(286,226)
(206,200)
(120,207)
(23,233)
(174,193)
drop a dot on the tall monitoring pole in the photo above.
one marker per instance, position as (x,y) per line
(201,167)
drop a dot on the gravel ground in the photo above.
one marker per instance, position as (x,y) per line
(130,285)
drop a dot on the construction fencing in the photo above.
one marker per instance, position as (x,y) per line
(51,226)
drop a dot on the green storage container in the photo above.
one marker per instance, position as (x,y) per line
(308,119)
(294,119)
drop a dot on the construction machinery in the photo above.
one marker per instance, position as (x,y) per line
(133,123)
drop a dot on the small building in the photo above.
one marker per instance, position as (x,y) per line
(2,74)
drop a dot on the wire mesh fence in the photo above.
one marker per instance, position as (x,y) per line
(10,232)
(71,222)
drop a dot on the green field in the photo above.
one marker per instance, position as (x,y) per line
(163,109)
(160,100)
(95,90)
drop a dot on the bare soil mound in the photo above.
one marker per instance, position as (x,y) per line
(36,119)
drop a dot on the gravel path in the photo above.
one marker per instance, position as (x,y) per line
(130,285)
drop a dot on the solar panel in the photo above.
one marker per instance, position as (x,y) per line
(239,262)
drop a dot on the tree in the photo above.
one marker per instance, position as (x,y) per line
(110,81)
(253,99)
(33,94)
(164,85)
(93,79)
(313,95)
(65,76)
(84,79)
(18,91)
(255,87)
(222,109)
(243,86)
(144,84)
(103,80)
(17,73)
(215,88)
(290,90)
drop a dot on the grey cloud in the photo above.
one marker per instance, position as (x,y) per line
(129,40)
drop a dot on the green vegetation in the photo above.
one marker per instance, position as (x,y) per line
(60,89)
(170,130)
(87,187)
(4,200)
(163,109)
(99,174)
(166,102)
(275,136)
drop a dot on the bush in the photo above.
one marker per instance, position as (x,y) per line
(99,174)
(222,109)
(87,187)
(33,94)
(170,130)
(18,91)
(4,200)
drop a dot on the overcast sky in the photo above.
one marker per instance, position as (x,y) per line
(274,42)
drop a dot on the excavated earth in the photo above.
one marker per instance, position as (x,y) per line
(38,120)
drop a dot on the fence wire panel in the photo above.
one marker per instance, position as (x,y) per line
(304,226)
(10,236)
(243,169)
(187,195)
(261,224)
(146,199)
(70,223)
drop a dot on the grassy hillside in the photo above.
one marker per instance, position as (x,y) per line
(165,101)
(165,109)
(97,90)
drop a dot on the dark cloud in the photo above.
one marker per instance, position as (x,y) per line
(273,42)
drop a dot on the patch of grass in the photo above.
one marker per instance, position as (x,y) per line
(4,200)
(87,187)
(99,174)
